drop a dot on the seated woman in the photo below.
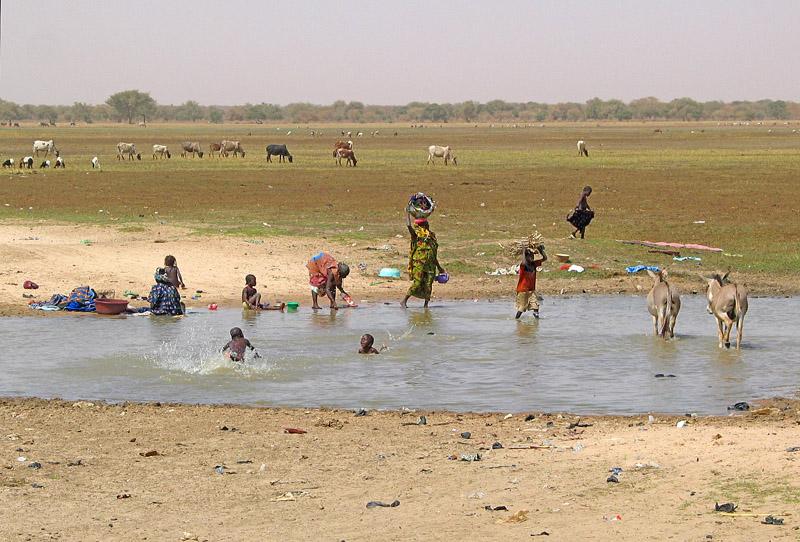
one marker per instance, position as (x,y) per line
(164,297)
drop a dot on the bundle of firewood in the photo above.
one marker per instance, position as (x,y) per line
(534,242)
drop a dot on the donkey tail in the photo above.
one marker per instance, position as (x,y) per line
(666,312)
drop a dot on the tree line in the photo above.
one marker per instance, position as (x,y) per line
(133,106)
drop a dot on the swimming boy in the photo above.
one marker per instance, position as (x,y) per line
(237,345)
(174,274)
(251,299)
(367,341)
(526,286)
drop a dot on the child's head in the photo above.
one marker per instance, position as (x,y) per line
(367,341)
(250,280)
(169,261)
(344,270)
(236,333)
(587,190)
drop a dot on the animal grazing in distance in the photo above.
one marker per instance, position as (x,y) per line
(8,163)
(582,150)
(95,163)
(45,164)
(436,151)
(43,146)
(727,302)
(345,153)
(60,163)
(26,162)
(191,147)
(128,149)
(161,150)
(234,147)
(280,151)
(214,148)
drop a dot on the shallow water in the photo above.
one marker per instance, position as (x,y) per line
(585,355)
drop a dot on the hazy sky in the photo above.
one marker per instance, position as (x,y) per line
(392,52)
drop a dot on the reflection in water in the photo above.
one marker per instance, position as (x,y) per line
(459,356)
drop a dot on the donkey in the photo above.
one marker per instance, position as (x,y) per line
(727,301)
(663,304)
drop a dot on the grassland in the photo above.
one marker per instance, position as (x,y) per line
(741,181)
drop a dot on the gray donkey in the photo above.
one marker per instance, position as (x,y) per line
(727,301)
(663,304)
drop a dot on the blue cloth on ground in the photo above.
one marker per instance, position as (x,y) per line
(636,268)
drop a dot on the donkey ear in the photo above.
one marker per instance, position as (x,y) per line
(664,273)
(725,276)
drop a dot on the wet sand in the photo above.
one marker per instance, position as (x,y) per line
(99,479)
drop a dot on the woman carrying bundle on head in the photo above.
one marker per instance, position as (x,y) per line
(423,261)
(582,214)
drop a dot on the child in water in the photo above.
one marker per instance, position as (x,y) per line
(526,286)
(174,274)
(367,341)
(251,299)
(237,346)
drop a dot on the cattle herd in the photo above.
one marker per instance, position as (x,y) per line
(342,151)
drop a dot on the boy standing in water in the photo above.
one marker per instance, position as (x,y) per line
(174,274)
(237,346)
(526,286)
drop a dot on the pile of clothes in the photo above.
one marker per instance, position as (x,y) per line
(420,205)
(80,299)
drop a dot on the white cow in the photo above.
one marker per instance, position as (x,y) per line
(95,163)
(582,150)
(232,146)
(128,149)
(43,146)
(435,151)
(161,150)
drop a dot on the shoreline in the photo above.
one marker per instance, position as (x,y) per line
(220,472)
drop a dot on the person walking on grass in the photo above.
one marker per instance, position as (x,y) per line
(582,215)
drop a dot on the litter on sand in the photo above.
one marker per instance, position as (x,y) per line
(727,507)
(687,258)
(381,504)
(500,271)
(519,517)
(633,269)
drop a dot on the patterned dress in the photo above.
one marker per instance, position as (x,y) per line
(165,299)
(422,261)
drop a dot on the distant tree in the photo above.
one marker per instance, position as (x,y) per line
(46,112)
(190,111)
(215,115)
(10,111)
(81,112)
(130,104)
(777,110)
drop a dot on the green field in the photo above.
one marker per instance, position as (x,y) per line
(647,185)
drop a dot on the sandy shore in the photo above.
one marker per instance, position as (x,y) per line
(147,472)
(55,257)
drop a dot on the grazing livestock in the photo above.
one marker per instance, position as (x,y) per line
(582,150)
(435,151)
(26,162)
(128,149)
(60,163)
(280,151)
(43,146)
(727,301)
(360,134)
(95,163)
(663,304)
(8,163)
(191,147)
(232,146)
(345,153)
(214,148)
(45,164)
(289,132)
(161,150)
(342,145)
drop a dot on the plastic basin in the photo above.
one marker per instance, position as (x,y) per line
(110,306)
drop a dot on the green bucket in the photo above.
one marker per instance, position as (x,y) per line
(291,306)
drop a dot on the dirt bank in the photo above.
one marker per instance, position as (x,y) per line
(61,257)
(147,472)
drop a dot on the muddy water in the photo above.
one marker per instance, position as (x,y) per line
(585,355)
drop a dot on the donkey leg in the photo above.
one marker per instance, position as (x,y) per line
(720,332)
(739,332)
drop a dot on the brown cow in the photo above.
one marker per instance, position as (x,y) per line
(345,153)
(214,148)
